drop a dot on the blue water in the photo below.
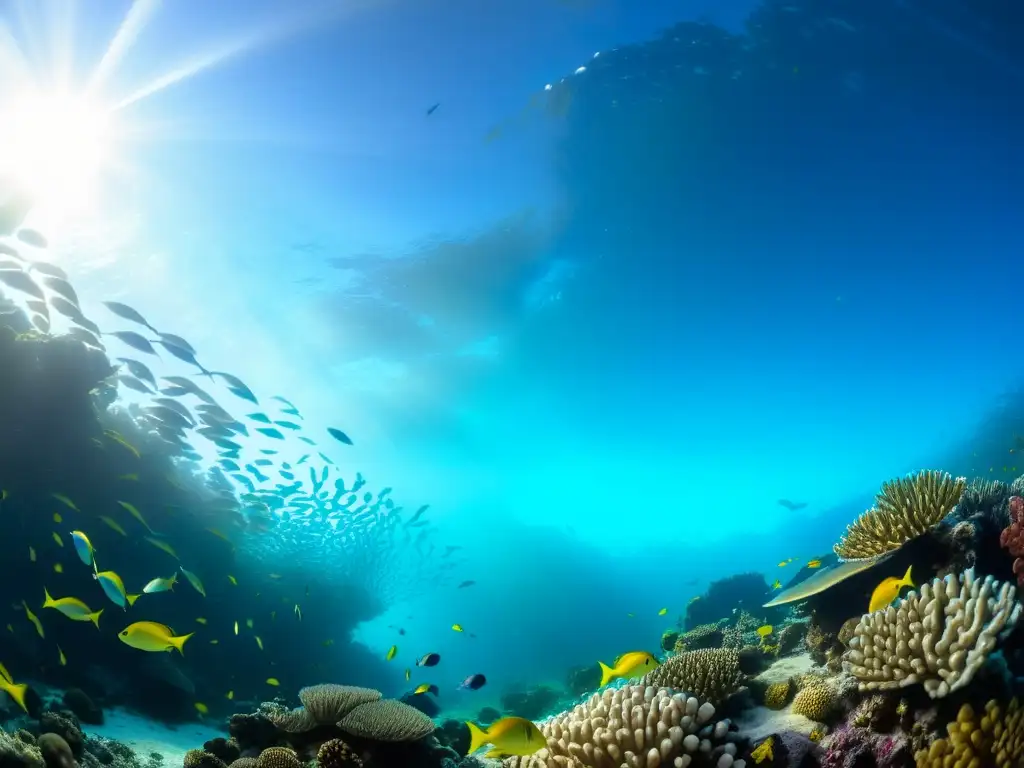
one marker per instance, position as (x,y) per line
(601,328)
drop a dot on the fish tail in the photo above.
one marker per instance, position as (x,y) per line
(906,577)
(477,737)
(47,600)
(95,617)
(179,642)
(17,692)
(607,673)
(131,599)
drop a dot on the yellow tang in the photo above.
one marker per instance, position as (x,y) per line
(391,652)
(150,636)
(457,627)
(201,708)
(764,631)
(888,590)
(632,664)
(73,608)
(663,611)
(507,736)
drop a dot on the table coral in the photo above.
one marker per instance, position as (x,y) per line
(635,726)
(905,508)
(939,637)
(996,739)
(1012,537)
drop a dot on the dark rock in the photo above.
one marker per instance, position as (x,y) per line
(488,715)
(454,734)
(226,749)
(252,733)
(56,751)
(424,702)
(79,702)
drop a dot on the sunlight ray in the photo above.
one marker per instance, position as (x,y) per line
(15,71)
(138,16)
(61,45)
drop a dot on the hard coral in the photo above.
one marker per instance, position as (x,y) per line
(634,726)
(777,694)
(703,636)
(904,509)
(711,674)
(849,747)
(1012,537)
(323,704)
(197,758)
(337,754)
(996,739)
(816,702)
(386,720)
(276,757)
(939,638)
(15,753)
(226,749)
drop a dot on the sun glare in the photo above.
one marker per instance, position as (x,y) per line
(55,146)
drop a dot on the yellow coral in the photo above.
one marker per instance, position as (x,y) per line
(776,695)
(815,701)
(763,751)
(904,509)
(996,739)
(816,735)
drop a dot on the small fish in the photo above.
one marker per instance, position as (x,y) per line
(457,627)
(814,563)
(468,583)
(113,587)
(83,547)
(193,580)
(273,681)
(391,653)
(663,611)
(784,563)
(233,580)
(888,590)
(150,636)
(507,736)
(130,476)
(426,688)
(58,568)
(34,619)
(408,674)
(61,658)
(113,525)
(214,642)
(248,623)
(298,611)
(340,436)
(777,584)
(58,539)
(236,627)
(160,585)
(32,554)
(628,665)
(57,518)
(200,620)
(16,691)
(474,682)
(229,695)
(65,501)
(259,642)
(162,545)
(764,631)
(73,608)
(127,313)
(132,510)
(792,506)
(271,432)
(433,108)
(117,438)
(428,660)
(201,708)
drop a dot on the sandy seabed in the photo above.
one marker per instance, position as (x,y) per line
(146,736)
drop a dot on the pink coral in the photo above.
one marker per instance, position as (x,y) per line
(852,747)
(1012,537)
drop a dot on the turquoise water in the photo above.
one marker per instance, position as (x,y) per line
(604,302)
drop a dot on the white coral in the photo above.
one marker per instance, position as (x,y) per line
(939,638)
(634,726)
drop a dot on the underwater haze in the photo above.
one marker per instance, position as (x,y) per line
(498,331)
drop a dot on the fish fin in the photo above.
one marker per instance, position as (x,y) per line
(477,737)
(47,600)
(906,577)
(131,599)
(17,692)
(607,673)
(95,617)
(179,642)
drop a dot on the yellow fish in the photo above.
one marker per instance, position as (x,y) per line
(457,627)
(391,653)
(273,681)
(65,501)
(58,539)
(132,510)
(274,575)
(764,631)
(150,636)
(83,547)
(663,611)
(201,708)
(229,695)
(777,584)
(122,442)
(632,664)
(507,736)
(888,590)
(232,579)
(214,642)
(57,518)
(34,619)
(161,585)
(132,476)
(32,554)
(61,657)
(784,563)
(113,588)
(58,568)
(200,620)
(408,674)
(259,642)
(236,627)
(113,524)
(814,563)
(197,585)
(424,688)
(162,545)
(248,623)
(15,690)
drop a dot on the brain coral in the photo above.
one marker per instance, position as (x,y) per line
(995,740)
(938,638)
(816,701)
(387,720)
(710,674)
(634,727)
(278,757)
(904,509)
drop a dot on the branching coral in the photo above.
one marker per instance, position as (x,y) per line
(1012,537)
(387,720)
(996,739)
(939,638)
(904,509)
(634,727)
(710,674)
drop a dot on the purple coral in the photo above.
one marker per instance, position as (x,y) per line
(852,747)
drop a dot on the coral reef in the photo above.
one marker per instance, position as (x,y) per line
(1012,537)
(996,739)
(791,637)
(776,695)
(635,726)
(323,704)
(16,753)
(702,636)
(816,701)
(277,757)
(711,674)
(904,509)
(337,754)
(198,758)
(744,590)
(387,720)
(939,637)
